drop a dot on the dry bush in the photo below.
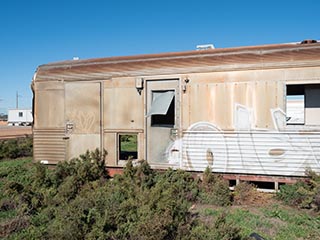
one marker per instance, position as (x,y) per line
(13,225)
(244,193)
(214,189)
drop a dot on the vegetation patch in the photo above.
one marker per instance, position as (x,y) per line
(16,148)
(78,200)
(214,189)
(304,194)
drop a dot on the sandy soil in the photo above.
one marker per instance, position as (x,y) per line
(13,131)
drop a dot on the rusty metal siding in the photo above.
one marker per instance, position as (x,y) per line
(216,102)
(48,145)
(263,153)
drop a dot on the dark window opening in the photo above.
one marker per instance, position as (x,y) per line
(20,114)
(128,146)
(263,185)
(295,104)
(166,120)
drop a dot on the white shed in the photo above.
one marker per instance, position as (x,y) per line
(17,117)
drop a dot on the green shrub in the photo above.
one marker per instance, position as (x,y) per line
(297,194)
(214,189)
(77,200)
(304,194)
(314,182)
(16,148)
(220,229)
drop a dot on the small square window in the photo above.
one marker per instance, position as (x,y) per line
(128,146)
(20,114)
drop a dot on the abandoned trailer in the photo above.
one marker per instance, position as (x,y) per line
(249,113)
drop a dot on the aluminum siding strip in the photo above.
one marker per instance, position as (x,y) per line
(276,153)
(49,145)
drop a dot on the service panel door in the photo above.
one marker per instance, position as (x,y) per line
(162,120)
(82,117)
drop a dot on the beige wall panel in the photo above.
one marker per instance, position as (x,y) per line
(242,94)
(110,144)
(78,144)
(123,109)
(312,116)
(207,78)
(109,107)
(265,99)
(280,98)
(83,106)
(303,75)
(49,109)
(237,76)
(255,75)
(52,85)
(125,82)
(224,106)
(260,104)
(199,102)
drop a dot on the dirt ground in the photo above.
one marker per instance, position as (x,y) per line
(7,132)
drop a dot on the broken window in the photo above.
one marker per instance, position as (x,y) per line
(303,104)
(128,146)
(162,109)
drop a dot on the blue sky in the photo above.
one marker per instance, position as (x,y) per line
(37,32)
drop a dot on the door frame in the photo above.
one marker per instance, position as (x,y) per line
(178,110)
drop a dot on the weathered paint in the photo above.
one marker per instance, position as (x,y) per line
(230,109)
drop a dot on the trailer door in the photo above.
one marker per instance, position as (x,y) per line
(162,119)
(82,117)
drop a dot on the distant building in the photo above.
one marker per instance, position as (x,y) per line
(20,117)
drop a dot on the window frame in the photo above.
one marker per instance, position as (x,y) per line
(119,146)
(297,91)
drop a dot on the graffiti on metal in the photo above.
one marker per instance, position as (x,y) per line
(247,150)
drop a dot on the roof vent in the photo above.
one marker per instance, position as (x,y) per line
(307,41)
(205,46)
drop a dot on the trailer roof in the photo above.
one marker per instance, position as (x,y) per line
(220,59)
